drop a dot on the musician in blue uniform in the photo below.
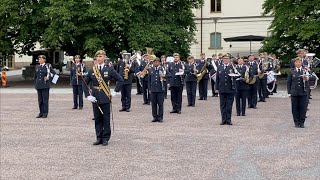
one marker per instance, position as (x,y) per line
(42,84)
(145,79)
(77,70)
(242,88)
(297,91)
(136,65)
(264,67)
(214,65)
(203,65)
(99,76)
(125,69)
(175,82)
(191,80)
(165,65)
(253,86)
(156,86)
(226,89)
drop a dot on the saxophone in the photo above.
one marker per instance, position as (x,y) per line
(145,70)
(203,71)
(126,70)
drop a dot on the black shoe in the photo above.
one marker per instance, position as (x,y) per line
(238,114)
(189,105)
(254,107)
(296,126)
(165,97)
(179,112)
(243,114)
(223,123)
(74,108)
(148,103)
(39,116)
(229,124)
(127,110)
(97,142)
(145,103)
(92,119)
(80,108)
(173,111)
(121,110)
(310,97)
(264,101)
(200,99)
(193,105)
(154,120)
(260,100)
(160,120)
(44,116)
(205,99)
(105,143)
(302,126)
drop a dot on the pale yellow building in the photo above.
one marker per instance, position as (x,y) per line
(219,19)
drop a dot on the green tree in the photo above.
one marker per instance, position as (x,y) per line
(296,25)
(84,26)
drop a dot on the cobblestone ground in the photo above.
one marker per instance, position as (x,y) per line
(262,145)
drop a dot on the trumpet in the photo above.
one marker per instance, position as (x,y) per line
(162,75)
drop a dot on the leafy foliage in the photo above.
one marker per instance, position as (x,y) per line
(296,25)
(84,26)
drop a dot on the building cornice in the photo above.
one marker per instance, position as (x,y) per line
(229,18)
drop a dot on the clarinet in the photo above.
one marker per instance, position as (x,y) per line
(182,74)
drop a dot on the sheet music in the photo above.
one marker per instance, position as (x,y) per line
(55,79)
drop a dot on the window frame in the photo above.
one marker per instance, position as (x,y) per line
(213,34)
(215,10)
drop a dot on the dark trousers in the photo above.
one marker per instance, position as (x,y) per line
(262,89)
(102,121)
(157,99)
(77,95)
(126,96)
(176,97)
(226,102)
(43,101)
(203,88)
(146,92)
(241,101)
(191,87)
(299,109)
(212,88)
(139,87)
(165,84)
(252,95)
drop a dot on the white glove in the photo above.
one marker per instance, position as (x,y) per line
(92,99)
(216,91)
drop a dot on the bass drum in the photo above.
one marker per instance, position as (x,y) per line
(270,77)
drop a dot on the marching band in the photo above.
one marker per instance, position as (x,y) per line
(231,79)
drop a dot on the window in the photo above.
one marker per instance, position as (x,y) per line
(215,40)
(215,6)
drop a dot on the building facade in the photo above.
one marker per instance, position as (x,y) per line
(219,19)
